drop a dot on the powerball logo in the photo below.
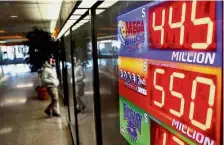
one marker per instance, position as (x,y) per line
(131,34)
(134,123)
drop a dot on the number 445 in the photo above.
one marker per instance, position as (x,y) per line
(181,26)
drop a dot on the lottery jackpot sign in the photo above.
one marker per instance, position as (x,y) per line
(170,66)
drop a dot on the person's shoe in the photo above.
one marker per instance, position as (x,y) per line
(83,108)
(48,112)
(78,111)
(56,114)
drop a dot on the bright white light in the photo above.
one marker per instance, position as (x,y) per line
(83,21)
(75,17)
(12,101)
(80,23)
(71,21)
(15,69)
(107,3)
(106,41)
(24,85)
(75,27)
(99,11)
(14,16)
(50,11)
(116,44)
(67,33)
(80,11)
(52,26)
(101,46)
(2,41)
(87,3)
(87,17)
(59,35)
(5,130)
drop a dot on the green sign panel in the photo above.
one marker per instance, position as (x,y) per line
(134,123)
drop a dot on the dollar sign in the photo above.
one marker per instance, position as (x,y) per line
(145,66)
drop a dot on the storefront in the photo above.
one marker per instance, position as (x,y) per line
(131,52)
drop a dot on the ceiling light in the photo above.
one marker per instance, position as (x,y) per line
(74,17)
(2,41)
(87,17)
(14,16)
(71,21)
(52,26)
(99,11)
(83,21)
(107,3)
(79,24)
(87,3)
(67,33)
(80,11)
(75,27)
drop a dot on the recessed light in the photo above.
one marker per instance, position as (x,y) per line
(14,16)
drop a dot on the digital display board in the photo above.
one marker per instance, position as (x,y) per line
(161,136)
(183,25)
(170,67)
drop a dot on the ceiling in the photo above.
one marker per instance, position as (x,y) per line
(18,17)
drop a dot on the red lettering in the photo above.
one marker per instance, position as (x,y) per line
(129,28)
(138,26)
(134,27)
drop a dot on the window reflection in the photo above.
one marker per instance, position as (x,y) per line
(82,53)
(108,49)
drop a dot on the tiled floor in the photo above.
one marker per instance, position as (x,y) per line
(22,121)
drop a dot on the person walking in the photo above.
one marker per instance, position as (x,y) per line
(79,85)
(50,81)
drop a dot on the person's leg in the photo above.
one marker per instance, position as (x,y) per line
(48,110)
(53,106)
(79,93)
(54,103)
(80,103)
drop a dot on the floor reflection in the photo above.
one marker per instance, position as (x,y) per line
(5,130)
(14,69)
(23,121)
(12,101)
(26,85)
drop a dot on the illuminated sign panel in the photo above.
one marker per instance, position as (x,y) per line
(183,25)
(162,137)
(189,96)
(170,66)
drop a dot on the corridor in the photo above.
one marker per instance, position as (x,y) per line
(22,119)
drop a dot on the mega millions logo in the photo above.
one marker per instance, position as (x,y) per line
(131,34)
